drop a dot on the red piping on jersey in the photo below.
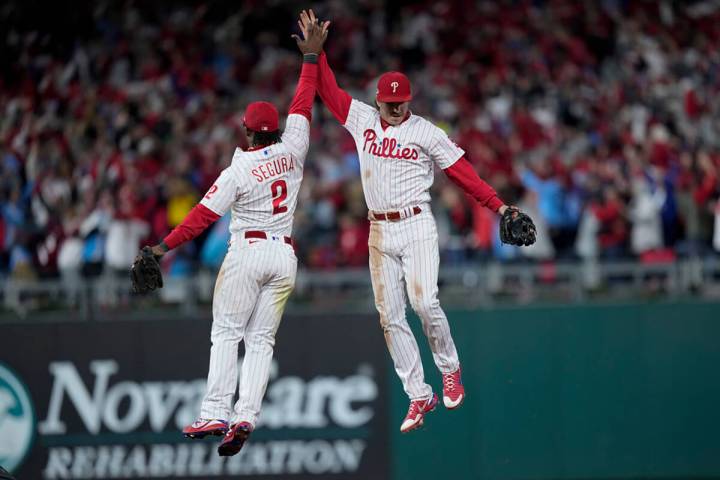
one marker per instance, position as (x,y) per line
(385,124)
(193,225)
(464,176)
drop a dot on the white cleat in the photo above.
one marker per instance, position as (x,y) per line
(451,404)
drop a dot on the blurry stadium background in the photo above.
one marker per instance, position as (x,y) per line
(593,354)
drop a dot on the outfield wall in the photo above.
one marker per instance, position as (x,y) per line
(606,392)
(599,392)
(108,399)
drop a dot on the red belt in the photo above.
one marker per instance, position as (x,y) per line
(264,236)
(393,215)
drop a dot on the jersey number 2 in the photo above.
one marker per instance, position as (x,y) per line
(279,193)
(210,192)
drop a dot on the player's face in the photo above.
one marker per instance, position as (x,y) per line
(248,135)
(393,112)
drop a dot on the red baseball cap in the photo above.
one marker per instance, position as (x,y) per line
(261,117)
(393,87)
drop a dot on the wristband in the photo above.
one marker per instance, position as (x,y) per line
(310,58)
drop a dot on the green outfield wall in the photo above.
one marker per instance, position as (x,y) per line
(598,392)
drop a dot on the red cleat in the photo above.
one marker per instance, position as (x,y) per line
(453,389)
(234,439)
(203,427)
(416,413)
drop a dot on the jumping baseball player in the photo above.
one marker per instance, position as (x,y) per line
(398,151)
(260,188)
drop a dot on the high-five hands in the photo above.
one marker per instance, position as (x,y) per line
(314,33)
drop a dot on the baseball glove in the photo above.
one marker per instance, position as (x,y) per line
(145,272)
(517,228)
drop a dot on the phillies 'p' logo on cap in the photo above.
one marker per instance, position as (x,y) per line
(261,117)
(393,87)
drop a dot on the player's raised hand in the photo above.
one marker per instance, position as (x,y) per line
(314,32)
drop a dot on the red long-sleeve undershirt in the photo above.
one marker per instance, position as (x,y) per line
(305,92)
(461,172)
(200,217)
(335,98)
(464,176)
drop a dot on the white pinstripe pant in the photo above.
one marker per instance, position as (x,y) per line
(253,285)
(404,258)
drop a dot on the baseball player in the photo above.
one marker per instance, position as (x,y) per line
(260,188)
(398,151)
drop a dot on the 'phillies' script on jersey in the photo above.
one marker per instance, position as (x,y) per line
(388,148)
(397,163)
(273,168)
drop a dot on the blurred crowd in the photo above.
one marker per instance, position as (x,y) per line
(600,118)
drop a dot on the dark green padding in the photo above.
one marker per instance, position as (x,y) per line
(600,392)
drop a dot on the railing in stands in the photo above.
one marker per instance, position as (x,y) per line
(474,286)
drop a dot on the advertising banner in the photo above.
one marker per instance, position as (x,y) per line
(109,399)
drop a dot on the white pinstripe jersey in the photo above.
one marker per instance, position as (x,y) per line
(262,185)
(397,163)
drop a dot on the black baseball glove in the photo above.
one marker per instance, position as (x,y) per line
(517,228)
(145,272)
